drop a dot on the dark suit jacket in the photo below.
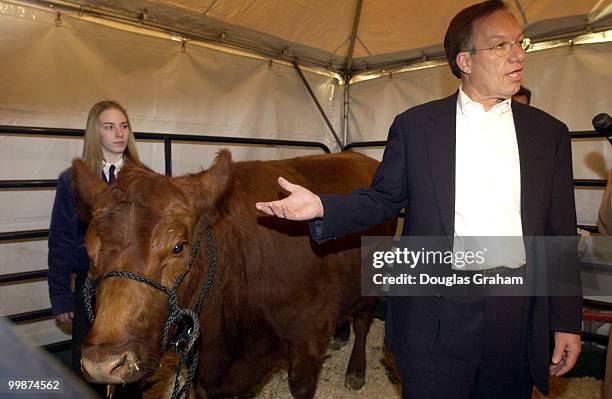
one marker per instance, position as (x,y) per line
(418,173)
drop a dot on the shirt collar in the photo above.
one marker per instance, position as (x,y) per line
(106,166)
(467,106)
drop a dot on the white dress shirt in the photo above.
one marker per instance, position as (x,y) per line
(106,166)
(488,182)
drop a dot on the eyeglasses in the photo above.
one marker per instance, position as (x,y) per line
(503,49)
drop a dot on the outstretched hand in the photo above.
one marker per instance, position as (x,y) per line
(302,204)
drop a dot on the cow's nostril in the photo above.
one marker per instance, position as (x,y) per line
(117,364)
(106,368)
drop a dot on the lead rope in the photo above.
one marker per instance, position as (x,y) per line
(212,265)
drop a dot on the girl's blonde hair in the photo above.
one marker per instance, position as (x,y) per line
(92,148)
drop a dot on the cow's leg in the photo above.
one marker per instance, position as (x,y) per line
(341,336)
(245,374)
(200,392)
(355,372)
(305,362)
(213,366)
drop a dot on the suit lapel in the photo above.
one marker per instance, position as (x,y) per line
(441,138)
(531,149)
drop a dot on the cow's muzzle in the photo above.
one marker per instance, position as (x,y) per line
(118,368)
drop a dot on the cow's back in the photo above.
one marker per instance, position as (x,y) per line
(329,173)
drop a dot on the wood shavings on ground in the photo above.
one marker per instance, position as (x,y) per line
(382,379)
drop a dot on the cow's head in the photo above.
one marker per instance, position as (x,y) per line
(146,224)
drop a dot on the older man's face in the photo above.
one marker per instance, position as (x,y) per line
(492,77)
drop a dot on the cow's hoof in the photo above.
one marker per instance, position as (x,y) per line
(354,382)
(338,343)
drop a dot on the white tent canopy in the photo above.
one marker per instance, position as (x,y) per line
(319,32)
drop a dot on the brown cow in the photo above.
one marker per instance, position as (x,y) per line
(276,295)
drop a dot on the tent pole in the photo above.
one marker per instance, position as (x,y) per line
(349,57)
(347,71)
(314,98)
(345,112)
(522,11)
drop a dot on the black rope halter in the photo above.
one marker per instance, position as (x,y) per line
(185,340)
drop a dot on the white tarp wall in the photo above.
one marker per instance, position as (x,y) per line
(571,83)
(50,77)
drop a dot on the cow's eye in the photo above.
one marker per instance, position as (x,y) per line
(178,248)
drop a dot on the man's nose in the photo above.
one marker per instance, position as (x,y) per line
(517,53)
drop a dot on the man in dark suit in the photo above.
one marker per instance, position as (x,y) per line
(472,164)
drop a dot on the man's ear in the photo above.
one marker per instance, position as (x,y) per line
(464,61)
(87,188)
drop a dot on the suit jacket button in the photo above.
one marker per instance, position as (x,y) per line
(438,295)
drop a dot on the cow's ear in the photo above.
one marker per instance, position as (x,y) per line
(207,188)
(87,188)
(215,181)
